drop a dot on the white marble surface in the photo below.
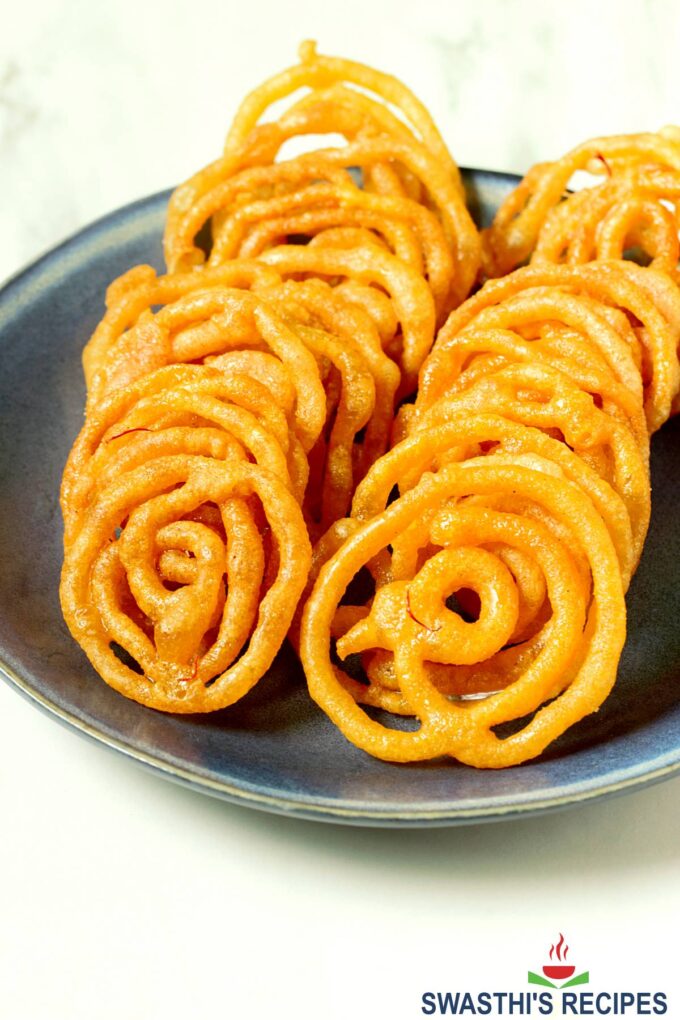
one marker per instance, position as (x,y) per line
(122,896)
(102,103)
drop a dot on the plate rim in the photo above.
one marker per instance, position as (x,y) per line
(319,809)
(313,807)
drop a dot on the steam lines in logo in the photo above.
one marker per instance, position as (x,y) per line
(558,970)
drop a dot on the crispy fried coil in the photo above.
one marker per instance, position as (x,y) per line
(545,398)
(183,409)
(538,382)
(317,351)
(375,276)
(313,302)
(596,302)
(567,363)
(530,545)
(184,592)
(411,195)
(360,383)
(329,211)
(192,565)
(627,210)
(135,294)
(636,211)
(316,72)
(200,325)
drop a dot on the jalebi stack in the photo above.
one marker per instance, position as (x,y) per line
(345,417)
(478,584)
(235,402)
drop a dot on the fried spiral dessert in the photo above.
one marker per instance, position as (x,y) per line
(320,355)
(410,202)
(493,585)
(184,540)
(630,212)
(507,533)
(235,402)
(276,445)
(633,205)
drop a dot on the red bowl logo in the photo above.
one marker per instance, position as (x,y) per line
(558,973)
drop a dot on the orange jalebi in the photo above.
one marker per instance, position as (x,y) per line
(639,178)
(411,196)
(472,577)
(478,526)
(268,375)
(325,352)
(522,471)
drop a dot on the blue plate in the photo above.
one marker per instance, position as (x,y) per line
(275,750)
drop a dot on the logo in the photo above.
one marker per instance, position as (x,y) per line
(558,995)
(558,970)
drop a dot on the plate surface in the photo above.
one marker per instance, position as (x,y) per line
(275,750)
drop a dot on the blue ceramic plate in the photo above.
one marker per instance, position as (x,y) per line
(275,750)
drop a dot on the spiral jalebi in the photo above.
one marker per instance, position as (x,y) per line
(235,402)
(313,426)
(637,179)
(487,598)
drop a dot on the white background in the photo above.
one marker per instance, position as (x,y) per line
(123,896)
